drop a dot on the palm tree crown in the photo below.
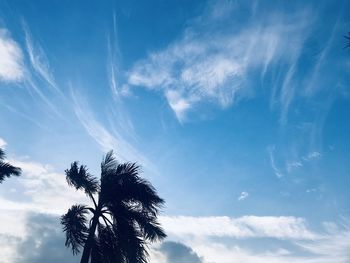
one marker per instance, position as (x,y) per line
(6,169)
(122,219)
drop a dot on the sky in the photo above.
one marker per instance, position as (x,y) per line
(236,110)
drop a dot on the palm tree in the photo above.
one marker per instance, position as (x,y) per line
(6,169)
(123,216)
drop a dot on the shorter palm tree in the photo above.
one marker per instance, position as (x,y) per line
(6,169)
(123,216)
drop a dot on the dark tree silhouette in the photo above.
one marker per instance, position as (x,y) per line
(6,169)
(122,219)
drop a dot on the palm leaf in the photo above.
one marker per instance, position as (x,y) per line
(108,242)
(2,154)
(125,185)
(79,177)
(108,164)
(6,169)
(147,222)
(131,242)
(74,225)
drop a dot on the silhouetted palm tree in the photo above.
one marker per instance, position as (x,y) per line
(123,218)
(6,169)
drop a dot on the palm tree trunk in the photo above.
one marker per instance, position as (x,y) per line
(88,245)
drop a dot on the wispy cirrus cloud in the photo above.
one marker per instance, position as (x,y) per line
(210,65)
(312,156)
(117,88)
(11,62)
(118,112)
(38,59)
(277,170)
(287,166)
(31,68)
(103,137)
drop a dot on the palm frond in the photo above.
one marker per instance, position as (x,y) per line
(138,189)
(108,244)
(79,177)
(125,185)
(6,169)
(74,225)
(150,228)
(2,154)
(147,222)
(131,242)
(108,164)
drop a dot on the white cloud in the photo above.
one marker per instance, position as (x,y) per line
(179,104)
(40,189)
(244,195)
(206,65)
(3,143)
(44,190)
(218,239)
(213,239)
(282,227)
(11,62)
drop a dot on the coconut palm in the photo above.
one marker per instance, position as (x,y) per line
(6,169)
(123,216)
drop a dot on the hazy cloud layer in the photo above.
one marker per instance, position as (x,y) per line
(44,242)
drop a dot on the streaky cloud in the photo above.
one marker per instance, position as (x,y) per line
(280,227)
(104,138)
(38,59)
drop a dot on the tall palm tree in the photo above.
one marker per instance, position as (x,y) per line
(6,169)
(123,216)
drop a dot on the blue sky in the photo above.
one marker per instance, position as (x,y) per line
(237,111)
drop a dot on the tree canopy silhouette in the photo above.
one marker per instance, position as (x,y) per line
(6,169)
(123,217)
